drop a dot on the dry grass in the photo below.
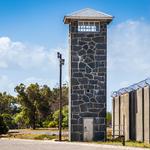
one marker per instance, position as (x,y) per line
(38,134)
(129,143)
(33,136)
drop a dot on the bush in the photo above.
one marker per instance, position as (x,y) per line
(3,126)
(65,117)
(53,124)
(9,121)
(45,123)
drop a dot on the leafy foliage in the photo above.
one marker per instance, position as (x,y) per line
(7,104)
(21,120)
(34,106)
(8,119)
(35,102)
(55,121)
(3,127)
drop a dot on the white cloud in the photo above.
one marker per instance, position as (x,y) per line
(6,84)
(128,54)
(129,47)
(40,81)
(25,56)
(26,63)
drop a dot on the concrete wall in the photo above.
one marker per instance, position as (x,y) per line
(120,109)
(147,114)
(135,106)
(139,115)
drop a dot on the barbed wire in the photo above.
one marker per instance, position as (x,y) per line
(131,88)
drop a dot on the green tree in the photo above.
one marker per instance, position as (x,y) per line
(55,98)
(3,127)
(44,103)
(7,104)
(26,104)
(9,120)
(35,102)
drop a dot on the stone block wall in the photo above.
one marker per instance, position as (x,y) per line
(88,81)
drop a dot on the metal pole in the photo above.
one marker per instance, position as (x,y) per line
(60,99)
(61,62)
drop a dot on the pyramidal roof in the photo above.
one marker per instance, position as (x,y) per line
(87,14)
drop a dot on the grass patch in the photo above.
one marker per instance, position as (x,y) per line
(137,144)
(128,143)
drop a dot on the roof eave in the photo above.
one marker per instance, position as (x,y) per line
(67,19)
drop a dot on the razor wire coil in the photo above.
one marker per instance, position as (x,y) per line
(131,88)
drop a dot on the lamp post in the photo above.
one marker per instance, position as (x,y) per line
(61,62)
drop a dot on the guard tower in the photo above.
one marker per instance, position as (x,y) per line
(88,74)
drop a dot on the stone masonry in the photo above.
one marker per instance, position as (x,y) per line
(88,81)
(87,74)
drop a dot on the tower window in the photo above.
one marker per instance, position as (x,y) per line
(88,26)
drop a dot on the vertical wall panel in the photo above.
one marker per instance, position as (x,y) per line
(116,128)
(124,104)
(147,114)
(113,117)
(132,115)
(139,116)
(121,113)
(126,113)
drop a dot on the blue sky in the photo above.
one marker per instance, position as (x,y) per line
(32,31)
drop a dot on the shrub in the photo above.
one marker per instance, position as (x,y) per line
(45,123)
(9,121)
(3,126)
(52,124)
(65,117)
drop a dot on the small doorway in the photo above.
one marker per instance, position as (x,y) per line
(88,129)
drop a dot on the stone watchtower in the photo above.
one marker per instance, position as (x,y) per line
(88,74)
